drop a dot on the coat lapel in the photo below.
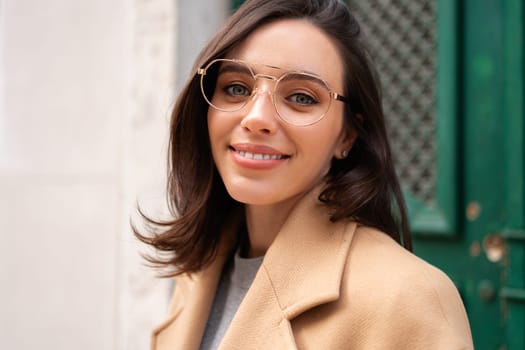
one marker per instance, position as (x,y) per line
(193,298)
(191,305)
(302,269)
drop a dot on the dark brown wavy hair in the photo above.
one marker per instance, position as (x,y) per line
(362,187)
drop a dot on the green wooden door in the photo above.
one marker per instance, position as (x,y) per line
(458,137)
(452,74)
(493,170)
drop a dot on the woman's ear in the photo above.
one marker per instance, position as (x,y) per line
(347,139)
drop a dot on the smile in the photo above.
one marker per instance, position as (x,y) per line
(260,156)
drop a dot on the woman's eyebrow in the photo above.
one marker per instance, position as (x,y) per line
(235,68)
(304,76)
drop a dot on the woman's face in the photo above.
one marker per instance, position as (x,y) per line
(261,159)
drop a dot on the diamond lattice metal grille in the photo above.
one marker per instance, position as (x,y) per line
(401,35)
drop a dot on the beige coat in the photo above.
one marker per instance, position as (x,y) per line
(326,285)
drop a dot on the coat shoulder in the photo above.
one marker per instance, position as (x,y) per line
(383,255)
(389,299)
(376,260)
(395,287)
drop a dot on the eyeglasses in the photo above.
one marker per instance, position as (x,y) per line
(299,98)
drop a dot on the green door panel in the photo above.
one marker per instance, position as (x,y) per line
(439,217)
(512,293)
(410,41)
(493,168)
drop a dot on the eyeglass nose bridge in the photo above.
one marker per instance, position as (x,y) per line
(267,77)
(270,91)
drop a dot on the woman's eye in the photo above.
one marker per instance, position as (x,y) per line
(237,90)
(302,99)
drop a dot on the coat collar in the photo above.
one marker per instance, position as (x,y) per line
(303,268)
(305,262)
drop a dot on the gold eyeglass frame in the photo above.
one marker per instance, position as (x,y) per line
(333,95)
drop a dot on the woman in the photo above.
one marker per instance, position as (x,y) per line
(290,222)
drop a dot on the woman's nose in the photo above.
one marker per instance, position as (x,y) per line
(260,114)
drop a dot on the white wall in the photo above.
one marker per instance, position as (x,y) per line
(85,91)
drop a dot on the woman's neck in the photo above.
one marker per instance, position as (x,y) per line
(263,223)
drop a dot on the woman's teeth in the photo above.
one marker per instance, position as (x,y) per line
(260,156)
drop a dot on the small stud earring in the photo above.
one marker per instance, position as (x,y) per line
(344,153)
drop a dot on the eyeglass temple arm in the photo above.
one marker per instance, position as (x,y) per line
(338,97)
